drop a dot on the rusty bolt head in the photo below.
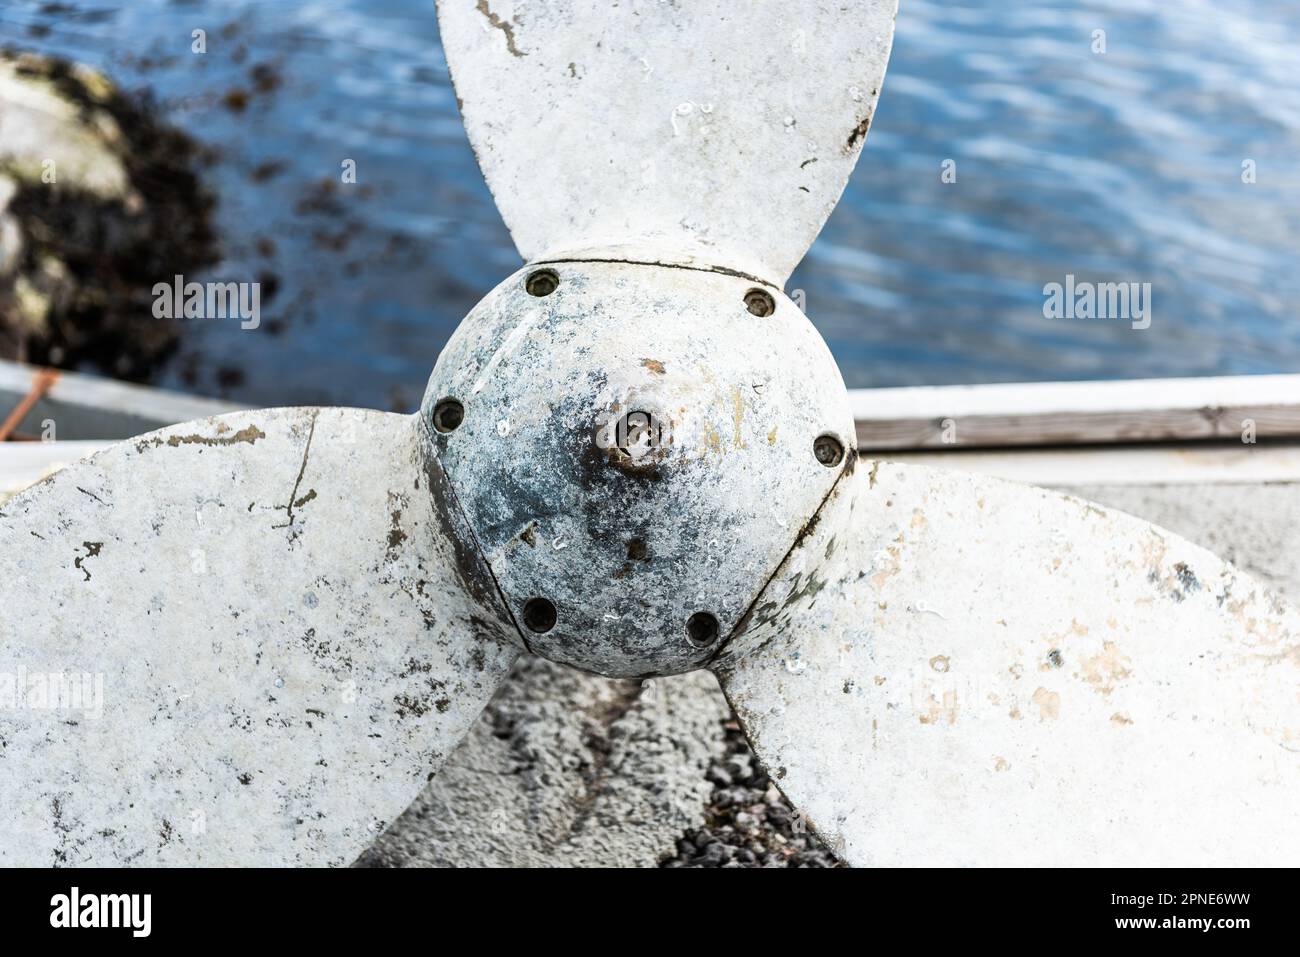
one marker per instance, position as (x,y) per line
(829,450)
(542,282)
(448,414)
(760,302)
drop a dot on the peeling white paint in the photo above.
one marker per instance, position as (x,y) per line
(693,165)
(296,695)
(1101,693)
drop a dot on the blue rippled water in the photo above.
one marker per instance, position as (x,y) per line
(1116,166)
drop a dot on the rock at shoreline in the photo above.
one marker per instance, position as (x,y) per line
(98,201)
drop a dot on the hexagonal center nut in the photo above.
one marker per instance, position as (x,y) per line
(632,440)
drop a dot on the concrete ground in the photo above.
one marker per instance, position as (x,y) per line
(568,769)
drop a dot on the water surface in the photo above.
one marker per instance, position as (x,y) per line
(1122,166)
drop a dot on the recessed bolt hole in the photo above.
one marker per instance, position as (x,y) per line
(1054,658)
(702,629)
(828,450)
(760,302)
(542,282)
(539,615)
(448,414)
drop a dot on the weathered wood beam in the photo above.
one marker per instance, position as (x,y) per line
(91,407)
(1078,413)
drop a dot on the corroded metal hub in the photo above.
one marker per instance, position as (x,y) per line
(632,451)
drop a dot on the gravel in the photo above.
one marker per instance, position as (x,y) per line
(569,770)
(566,769)
(748,823)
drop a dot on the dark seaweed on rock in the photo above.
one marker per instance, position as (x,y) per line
(90,261)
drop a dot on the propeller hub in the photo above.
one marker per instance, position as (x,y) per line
(632,450)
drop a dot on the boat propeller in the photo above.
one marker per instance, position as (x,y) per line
(636,457)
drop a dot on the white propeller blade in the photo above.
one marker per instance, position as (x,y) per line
(279,645)
(956,670)
(703,134)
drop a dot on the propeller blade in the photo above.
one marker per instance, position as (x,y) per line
(956,670)
(241,641)
(706,135)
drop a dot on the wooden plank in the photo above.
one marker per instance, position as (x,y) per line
(90,407)
(1208,464)
(1077,413)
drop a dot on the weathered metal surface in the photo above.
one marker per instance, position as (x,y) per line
(956,670)
(628,544)
(695,133)
(279,646)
